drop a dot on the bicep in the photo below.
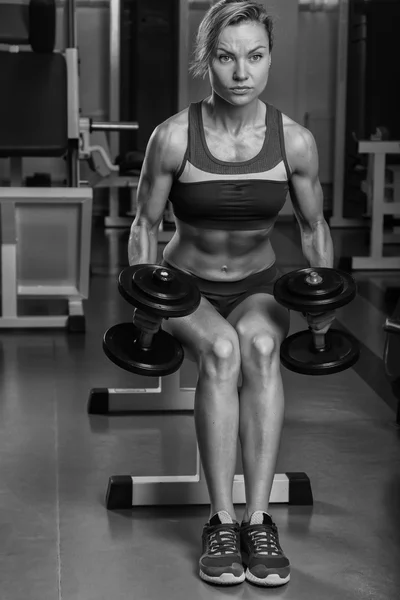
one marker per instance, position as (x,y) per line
(155,180)
(152,196)
(305,187)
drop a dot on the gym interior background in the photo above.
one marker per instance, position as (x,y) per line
(71,419)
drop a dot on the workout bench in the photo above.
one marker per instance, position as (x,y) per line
(176,393)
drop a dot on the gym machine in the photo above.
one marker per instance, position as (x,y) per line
(366,125)
(45,229)
(140,32)
(143,348)
(381,177)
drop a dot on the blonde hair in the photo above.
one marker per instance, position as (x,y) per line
(221,15)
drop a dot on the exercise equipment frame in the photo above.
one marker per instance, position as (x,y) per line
(125,491)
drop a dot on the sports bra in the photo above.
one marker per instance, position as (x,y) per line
(214,194)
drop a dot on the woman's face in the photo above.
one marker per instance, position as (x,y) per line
(240,66)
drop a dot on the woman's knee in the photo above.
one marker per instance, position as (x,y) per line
(265,345)
(260,349)
(220,356)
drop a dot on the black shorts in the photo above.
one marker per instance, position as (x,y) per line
(226,295)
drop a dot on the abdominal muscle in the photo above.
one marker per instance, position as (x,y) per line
(219,255)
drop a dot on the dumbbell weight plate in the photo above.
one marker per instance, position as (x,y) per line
(298,353)
(336,289)
(331,283)
(120,344)
(160,290)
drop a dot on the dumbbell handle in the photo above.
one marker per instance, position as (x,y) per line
(318,338)
(145,340)
(319,341)
(148,325)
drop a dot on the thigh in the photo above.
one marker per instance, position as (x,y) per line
(199,330)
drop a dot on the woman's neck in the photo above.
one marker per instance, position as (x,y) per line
(233,119)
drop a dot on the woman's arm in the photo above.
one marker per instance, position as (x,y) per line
(160,163)
(307,198)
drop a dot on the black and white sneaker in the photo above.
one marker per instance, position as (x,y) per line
(221,561)
(263,558)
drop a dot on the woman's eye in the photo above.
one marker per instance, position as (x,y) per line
(224,58)
(256,57)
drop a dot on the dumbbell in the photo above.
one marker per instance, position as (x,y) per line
(315,291)
(157,293)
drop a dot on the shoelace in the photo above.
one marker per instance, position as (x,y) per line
(223,540)
(264,539)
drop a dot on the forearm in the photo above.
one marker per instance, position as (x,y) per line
(142,244)
(317,245)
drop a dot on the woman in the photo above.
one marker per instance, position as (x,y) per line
(226,164)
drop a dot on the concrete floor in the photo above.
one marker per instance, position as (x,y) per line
(58,541)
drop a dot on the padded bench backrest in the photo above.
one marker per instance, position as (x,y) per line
(33,104)
(33,98)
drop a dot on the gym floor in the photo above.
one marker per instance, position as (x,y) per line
(59,541)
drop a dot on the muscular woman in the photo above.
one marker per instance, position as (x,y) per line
(227,164)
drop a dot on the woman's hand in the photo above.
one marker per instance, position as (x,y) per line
(320,322)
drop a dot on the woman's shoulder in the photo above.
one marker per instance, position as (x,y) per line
(299,141)
(173,131)
(168,141)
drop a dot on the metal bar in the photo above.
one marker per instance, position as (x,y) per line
(168,396)
(114,101)
(392,326)
(362,48)
(367,263)
(341,90)
(183,53)
(114,126)
(75,307)
(72,59)
(71,23)
(32,322)
(8,259)
(178,492)
(150,400)
(73,170)
(378,193)
(53,291)
(51,195)
(8,279)
(84,252)
(378,147)
(114,220)
(391,208)
(114,95)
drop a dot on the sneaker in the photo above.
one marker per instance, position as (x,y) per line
(221,562)
(263,558)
